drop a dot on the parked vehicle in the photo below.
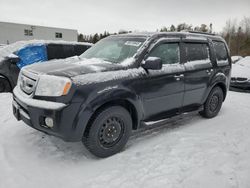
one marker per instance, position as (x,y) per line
(15,56)
(122,81)
(241,75)
(235,59)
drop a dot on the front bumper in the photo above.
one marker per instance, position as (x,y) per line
(240,85)
(65,117)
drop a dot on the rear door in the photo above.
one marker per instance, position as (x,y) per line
(198,72)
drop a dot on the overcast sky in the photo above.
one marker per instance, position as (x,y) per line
(91,16)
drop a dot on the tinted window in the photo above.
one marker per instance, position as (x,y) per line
(68,51)
(221,51)
(169,53)
(79,49)
(197,51)
(55,51)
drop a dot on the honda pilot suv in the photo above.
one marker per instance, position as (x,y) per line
(121,82)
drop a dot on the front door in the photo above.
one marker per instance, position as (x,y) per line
(162,90)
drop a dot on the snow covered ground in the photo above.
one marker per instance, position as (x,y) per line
(190,152)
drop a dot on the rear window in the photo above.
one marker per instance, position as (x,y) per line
(197,51)
(221,53)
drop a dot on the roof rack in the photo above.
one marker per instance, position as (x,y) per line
(199,32)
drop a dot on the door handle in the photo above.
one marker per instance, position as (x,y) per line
(209,72)
(178,77)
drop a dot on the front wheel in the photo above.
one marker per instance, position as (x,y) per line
(108,131)
(213,103)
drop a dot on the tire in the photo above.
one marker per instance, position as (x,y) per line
(4,85)
(108,132)
(213,103)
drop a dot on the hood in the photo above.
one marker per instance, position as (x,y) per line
(73,66)
(240,71)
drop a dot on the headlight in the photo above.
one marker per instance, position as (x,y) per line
(53,86)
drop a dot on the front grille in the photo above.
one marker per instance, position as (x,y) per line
(241,79)
(27,82)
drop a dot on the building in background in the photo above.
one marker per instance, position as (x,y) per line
(13,32)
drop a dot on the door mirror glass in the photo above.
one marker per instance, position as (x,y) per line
(153,63)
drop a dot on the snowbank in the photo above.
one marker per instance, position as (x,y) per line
(189,152)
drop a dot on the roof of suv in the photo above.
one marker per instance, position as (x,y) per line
(186,34)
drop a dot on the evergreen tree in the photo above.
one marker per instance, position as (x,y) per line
(95,38)
(172,28)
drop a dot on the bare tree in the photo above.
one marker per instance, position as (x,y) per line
(229,30)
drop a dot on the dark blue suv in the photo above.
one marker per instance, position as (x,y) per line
(122,82)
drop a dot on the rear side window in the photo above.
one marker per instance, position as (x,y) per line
(221,53)
(55,51)
(68,51)
(197,51)
(169,53)
(79,49)
(197,56)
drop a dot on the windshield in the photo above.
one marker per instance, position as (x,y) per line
(114,49)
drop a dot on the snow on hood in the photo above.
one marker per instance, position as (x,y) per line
(108,76)
(128,62)
(241,68)
(73,66)
(245,61)
(240,71)
(236,58)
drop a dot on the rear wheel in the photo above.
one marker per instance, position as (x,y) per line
(4,85)
(108,132)
(213,103)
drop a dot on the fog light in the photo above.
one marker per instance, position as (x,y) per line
(49,122)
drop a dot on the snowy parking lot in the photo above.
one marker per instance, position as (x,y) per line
(189,152)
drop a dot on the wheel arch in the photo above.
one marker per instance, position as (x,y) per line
(125,103)
(8,80)
(223,87)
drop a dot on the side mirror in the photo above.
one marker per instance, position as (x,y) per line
(13,59)
(153,63)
